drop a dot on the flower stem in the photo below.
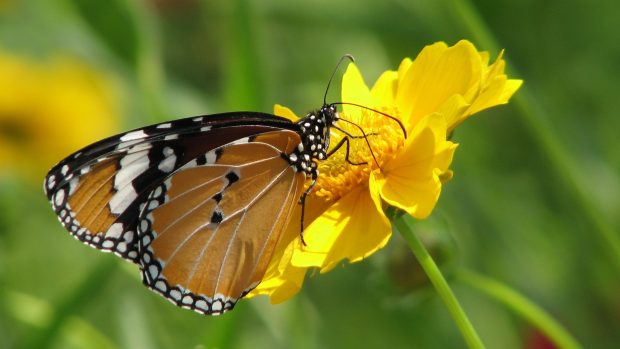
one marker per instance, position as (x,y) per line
(443,289)
(522,306)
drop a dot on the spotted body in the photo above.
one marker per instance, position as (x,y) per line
(198,203)
(314,130)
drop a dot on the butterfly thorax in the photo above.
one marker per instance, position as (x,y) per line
(314,130)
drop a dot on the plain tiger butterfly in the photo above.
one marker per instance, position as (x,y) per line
(199,204)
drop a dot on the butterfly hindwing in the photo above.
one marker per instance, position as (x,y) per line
(207,233)
(99,191)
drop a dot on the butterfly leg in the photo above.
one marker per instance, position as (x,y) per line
(364,135)
(302,202)
(338,146)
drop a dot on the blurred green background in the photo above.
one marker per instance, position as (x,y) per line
(534,202)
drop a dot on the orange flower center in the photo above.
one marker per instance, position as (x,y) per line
(384,138)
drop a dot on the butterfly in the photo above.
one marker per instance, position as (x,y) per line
(200,203)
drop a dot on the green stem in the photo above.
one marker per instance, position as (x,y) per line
(522,306)
(443,289)
(535,118)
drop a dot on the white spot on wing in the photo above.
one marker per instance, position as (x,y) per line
(241,140)
(51,180)
(202,305)
(210,157)
(146,240)
(217,306)
(167,164)
(122,199)
(73,185)
(160,285)
(144,225)
(64,170)
(175,294)
(205,129)
(171,137)
(153,271)
(132,165)
(128,236)
(115,230)
(121,247)
(59,197)
(166,125)
(133,135)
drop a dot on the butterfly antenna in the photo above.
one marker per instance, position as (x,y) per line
(402,127)
(365,136)
(347,56)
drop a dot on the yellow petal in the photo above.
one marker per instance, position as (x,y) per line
(384,90)
(453,110)
(512,85)
(284,112)
(412,180)
(484,57)
(491,96)
(354,90)
(405,64)
(352,228)
(434,76)
(282,287)
(495,89)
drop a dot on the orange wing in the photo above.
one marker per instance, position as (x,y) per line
(209,231)
(99,192)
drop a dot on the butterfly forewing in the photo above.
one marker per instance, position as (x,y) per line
(209,230)
(99,191)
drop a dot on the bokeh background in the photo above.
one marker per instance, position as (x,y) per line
(534,202)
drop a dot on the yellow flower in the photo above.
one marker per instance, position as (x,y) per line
(50,110)
(344,216)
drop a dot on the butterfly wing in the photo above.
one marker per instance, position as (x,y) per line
(99,191)
(209,230)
